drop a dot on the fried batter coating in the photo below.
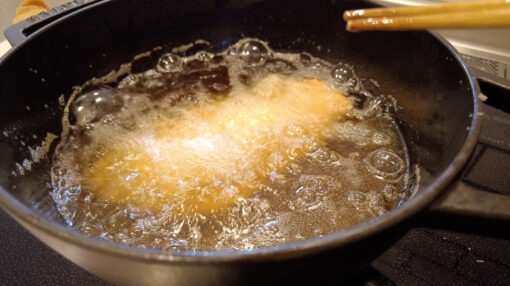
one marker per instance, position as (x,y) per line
(213,154)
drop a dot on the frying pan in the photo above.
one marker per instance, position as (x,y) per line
(62,48)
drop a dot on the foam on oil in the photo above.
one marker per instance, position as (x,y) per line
(233,150)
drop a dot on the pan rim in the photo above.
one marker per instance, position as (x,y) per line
(28,216)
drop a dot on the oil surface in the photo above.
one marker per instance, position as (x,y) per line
(234,150)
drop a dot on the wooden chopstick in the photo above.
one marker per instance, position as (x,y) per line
(496,18)
(472,14)
(424,10)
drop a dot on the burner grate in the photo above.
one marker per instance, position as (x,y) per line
(493,67)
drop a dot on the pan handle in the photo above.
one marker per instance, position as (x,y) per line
(466,209)
(18,32)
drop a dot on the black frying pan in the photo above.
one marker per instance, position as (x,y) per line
(67,46)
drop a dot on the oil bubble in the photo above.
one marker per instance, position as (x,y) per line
(293,153)
(319,66)
(294,130)
(169,63)
(253,53)
(309,195)
(391,192)
(61,183)
(218,87)
(305,59)
(177,244)
(280,66)
(150,84)
(342,72)
(74,190)
(277,178)
(385,163)
(321,154)
(356,197)
(377,203)
(205,56)
(271,228)
(58,171)
(378,210)
(376,199)
(151,74)
(128,81)
(359,134)
(294,169)
(195,64)
(232,52)
(95,103)
(380,138)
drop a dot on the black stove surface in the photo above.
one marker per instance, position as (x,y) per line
(422,257)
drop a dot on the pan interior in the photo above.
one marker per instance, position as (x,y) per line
(232,150)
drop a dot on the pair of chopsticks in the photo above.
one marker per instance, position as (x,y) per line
(454,15)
